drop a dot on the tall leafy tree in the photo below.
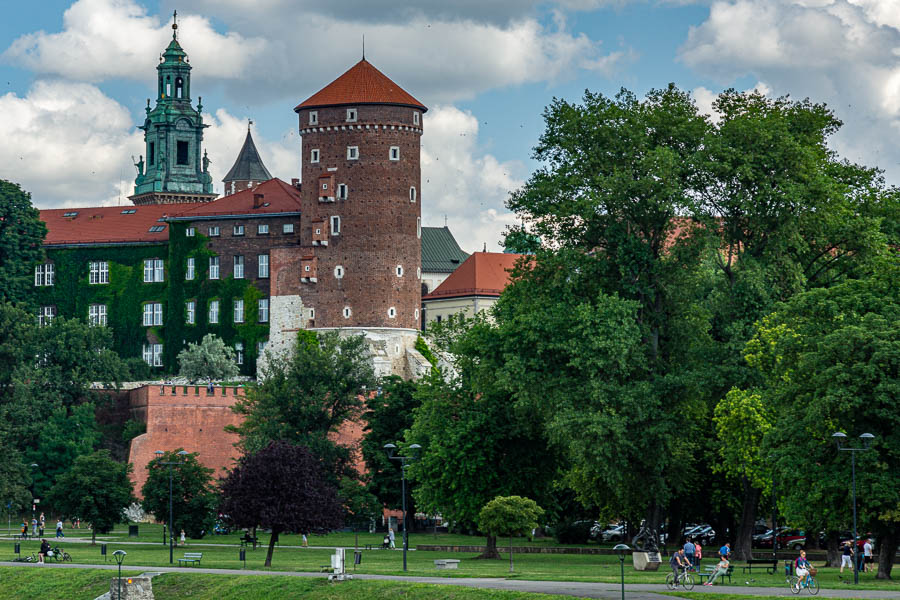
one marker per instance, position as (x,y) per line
(306,396)
(210,359)
(194,495)
(96,489)
(63,436)
(21,235)
(509,515)
(285,488)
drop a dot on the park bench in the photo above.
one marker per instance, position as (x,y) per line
(249,539)
(708,572)
(190,557)
(446,563)
(772,564)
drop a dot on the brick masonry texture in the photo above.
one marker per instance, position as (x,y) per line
(379,226)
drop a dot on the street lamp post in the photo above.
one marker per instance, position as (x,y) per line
(170,464)
(30,467)
(621,550)
(119,555)
(839,439)
(404,462)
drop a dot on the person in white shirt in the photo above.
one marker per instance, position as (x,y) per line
(868,557)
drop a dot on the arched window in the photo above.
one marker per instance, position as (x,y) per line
(168,91)
(179,87)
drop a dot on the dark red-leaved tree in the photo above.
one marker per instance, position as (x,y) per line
(282,487)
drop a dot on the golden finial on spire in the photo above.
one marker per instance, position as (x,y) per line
(175,25)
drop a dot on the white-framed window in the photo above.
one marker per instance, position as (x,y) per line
(399,270)
(190,269)
(418,272)
(287,228)
(263,306)
(261,347)
(416,314)
(153,270)
(213,267)
(238,311)
(394,153)
(238,230)
(190,231)
(238,266)
(312,313)
(153,354)
(97,314)
(419,227)
(335,225)
(262,230)
(98,272)
(347,312)
(313,117)
(352,152)
(339,272)
(239,353)
(263,266)
(307,268)
(46,314)
(412,195)
(44,274)
(352,115)
(342,191)
(214,231)
(415,117)
(152,314)
(392,312)
(314,155)
(190,308)
(213,311)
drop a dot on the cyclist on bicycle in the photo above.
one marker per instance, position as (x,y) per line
(802,566)
(678,562)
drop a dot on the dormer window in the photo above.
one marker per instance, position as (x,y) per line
(313,117)
(351,115)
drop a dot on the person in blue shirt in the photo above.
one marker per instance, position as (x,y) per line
(725,550)
(689,550)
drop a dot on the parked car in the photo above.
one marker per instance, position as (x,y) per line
(613,533)
(704,533)
(794,539)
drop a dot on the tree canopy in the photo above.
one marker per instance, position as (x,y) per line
(194,496)
(509,515)
(21,235)
(210,359)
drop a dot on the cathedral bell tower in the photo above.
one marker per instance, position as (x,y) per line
(175,169)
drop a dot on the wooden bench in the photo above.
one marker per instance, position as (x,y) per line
(771,562)
(190,557)
(446,563)
(249,539)
(709,571)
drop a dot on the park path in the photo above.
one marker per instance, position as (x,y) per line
(607,591)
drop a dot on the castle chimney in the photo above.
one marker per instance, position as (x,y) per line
(295,182)
(257,200)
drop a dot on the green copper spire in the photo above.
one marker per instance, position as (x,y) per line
(173,134)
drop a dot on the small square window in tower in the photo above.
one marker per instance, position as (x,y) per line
(319,233)
(181,157)
(351,115)
(308,266)
(394,153)
(326,188)
(313,117)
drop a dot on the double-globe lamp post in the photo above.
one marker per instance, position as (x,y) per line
(170,464)
(404,461)
(839,439)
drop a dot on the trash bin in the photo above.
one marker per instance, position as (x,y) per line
(18,548)
(357,557)
(132,531)
(242,556)
(102,549)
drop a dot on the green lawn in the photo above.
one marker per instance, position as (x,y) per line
(25,583)
(708,596)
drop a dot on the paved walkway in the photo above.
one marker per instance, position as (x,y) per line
(609,591)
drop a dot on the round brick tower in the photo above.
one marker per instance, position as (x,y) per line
(361,198)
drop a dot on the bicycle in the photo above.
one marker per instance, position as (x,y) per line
(685,579)
(29,559)
(809,582)
(60,555)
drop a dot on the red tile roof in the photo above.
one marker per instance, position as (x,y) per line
(361,84)
(482,274)
(108,224)
(278,197)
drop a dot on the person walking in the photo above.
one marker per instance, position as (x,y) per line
(391,538)
(721,569)
(34,527)
(698,555)
(181,539)
(305,541)
(868,556)
(59,529)
(689,550)
(846,557)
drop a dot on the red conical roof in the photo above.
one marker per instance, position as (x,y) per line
(361,84)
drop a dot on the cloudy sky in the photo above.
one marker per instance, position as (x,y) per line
(76,75)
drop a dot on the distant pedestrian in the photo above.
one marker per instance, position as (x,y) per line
(868,556)
(34,525)
(689,550)
(59,529)
(725,551)
(181,539)
(391,537)
(846,556)
(698,555)
(42,519)
(305,541)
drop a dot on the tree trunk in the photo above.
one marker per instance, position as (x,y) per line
(887,551)
(744,536)
(490,550)
(253,535)
(833,549)
(272,541)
